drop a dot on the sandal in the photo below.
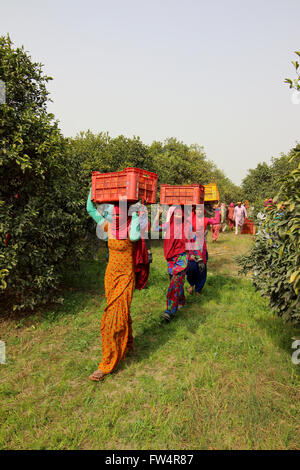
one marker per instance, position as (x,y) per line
(97,375)
(166,316)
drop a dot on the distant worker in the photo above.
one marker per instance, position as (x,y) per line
(230,216)
(223,211)
(240,215)
(215,225)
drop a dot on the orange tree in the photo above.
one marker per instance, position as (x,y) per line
(275,256)
(274,259)
(40,226)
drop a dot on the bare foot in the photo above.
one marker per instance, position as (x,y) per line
(97,375)
(190,290)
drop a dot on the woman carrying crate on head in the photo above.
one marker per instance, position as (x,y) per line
(176,257)
(116,324)
(197,252)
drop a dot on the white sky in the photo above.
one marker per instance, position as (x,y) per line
(206,72)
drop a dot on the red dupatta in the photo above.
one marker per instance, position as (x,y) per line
(120,223)
(199,228)
(140,257)
(120,227)
(175,241)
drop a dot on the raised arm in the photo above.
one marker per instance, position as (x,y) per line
(211,221)
(92,210)
(156,227)
(134,230)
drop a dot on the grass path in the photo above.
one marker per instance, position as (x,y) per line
(220,376)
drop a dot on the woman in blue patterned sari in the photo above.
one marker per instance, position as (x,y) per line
(176,257)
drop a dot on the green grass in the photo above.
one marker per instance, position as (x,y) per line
(220,376)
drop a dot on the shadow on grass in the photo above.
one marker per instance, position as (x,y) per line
(281,333)
(155,332)
(79,284)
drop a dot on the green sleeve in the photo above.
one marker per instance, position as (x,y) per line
(92,210)
(134,232)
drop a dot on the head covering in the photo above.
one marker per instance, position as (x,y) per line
(143,219)
(140,252)
(120,222)
(141,265)
(120,231)
(197,222)
(108,210)
(198,229)
(231,204)
(174,242)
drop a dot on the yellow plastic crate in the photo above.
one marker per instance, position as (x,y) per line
(211,192)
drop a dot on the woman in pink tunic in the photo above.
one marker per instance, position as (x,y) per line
(216,225)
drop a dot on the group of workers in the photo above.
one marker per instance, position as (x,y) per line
(232,215)
(129,256)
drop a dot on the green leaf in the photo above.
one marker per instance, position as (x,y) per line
(293,276)
(289,81)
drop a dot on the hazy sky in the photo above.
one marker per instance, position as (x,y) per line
(209,72)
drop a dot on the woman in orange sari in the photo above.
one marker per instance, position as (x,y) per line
(116,323)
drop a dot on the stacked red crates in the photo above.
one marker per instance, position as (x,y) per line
(248,227)
(131,184)
(182,195)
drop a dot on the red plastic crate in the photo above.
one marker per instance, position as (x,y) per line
(181,195)
(131,184)
(248,227)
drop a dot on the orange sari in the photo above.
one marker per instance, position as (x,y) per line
(116,323)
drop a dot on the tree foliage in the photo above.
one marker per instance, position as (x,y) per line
(274,259)
(264,181)
(44,181)
(173,161)
(39,228)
